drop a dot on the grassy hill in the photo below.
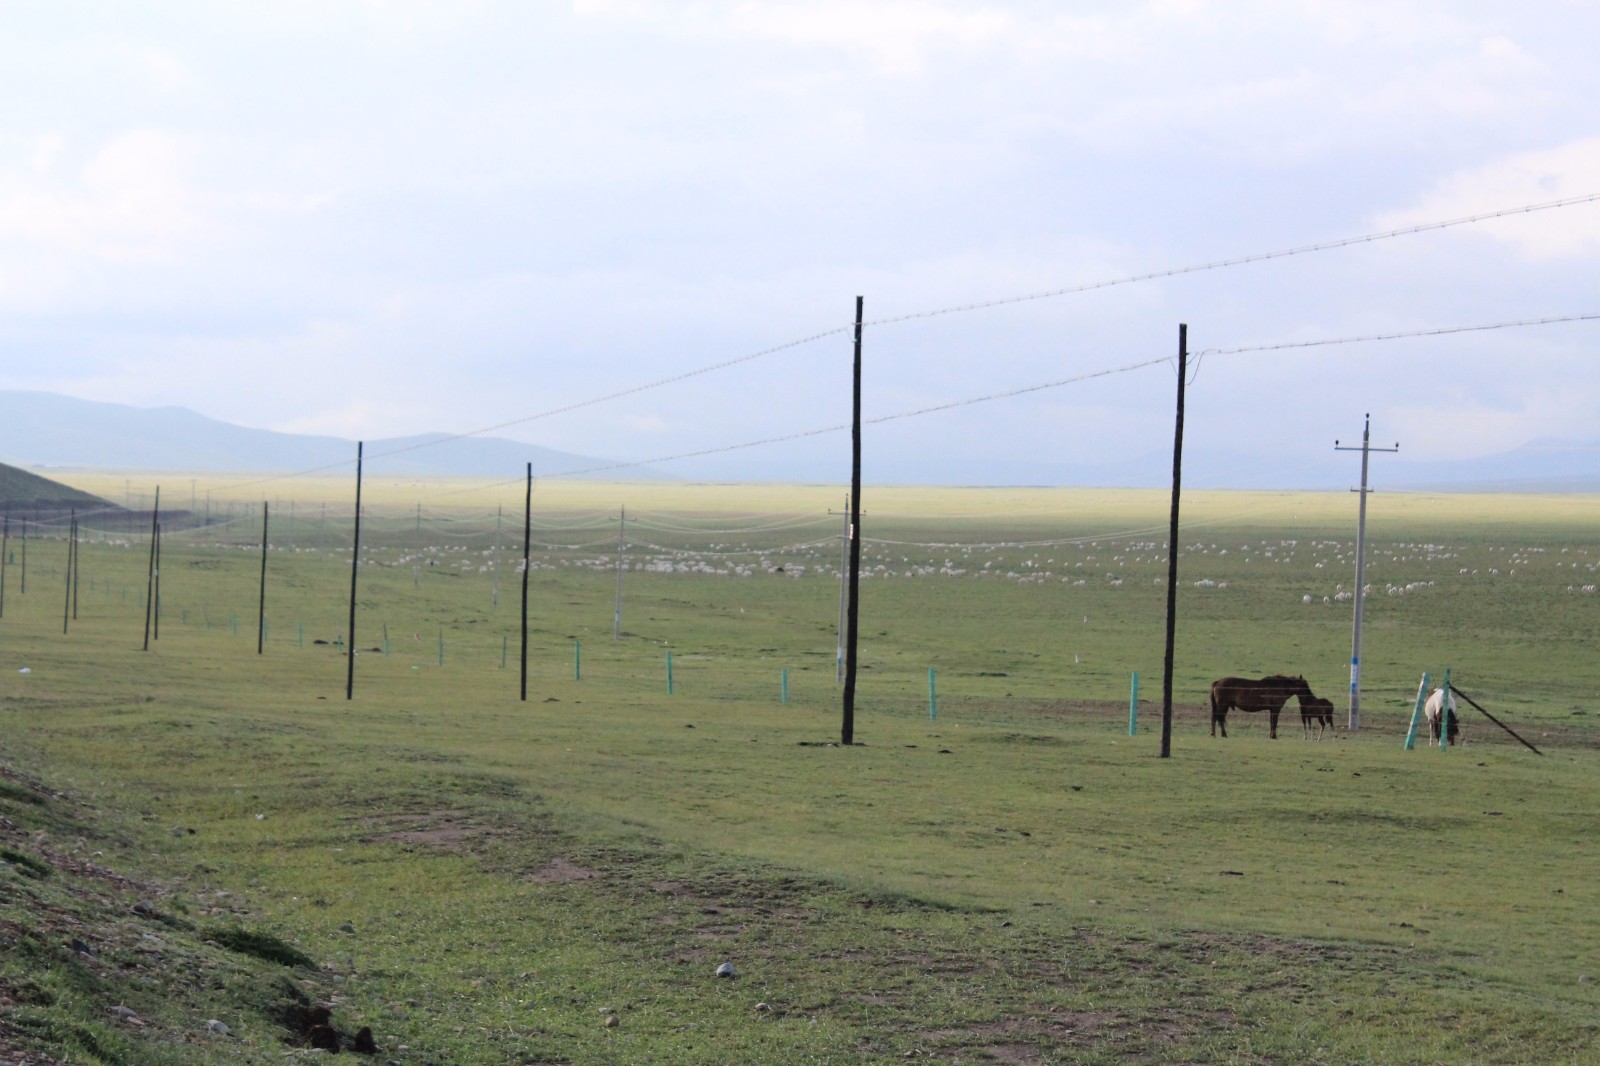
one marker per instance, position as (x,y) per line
(22,492)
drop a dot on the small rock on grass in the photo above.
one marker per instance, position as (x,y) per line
(725,970)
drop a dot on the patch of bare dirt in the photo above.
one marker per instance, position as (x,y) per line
(561,871)
(446,830)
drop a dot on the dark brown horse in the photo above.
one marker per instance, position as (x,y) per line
(1315,710)
(1268,694)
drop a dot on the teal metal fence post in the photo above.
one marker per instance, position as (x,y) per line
(577,660)
(933,696)
(783,687)
(441,647)
(299,634)
(1416,711)
(1444,713)
(504,643)
(1133,706)
(669,673)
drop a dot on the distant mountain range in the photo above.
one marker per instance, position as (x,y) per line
(45,429)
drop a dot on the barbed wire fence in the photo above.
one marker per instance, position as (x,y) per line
(430,540)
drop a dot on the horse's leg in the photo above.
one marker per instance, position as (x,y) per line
(1275,711)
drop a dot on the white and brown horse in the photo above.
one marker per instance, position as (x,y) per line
(1434,709)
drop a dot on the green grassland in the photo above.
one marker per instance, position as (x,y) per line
(1004,874)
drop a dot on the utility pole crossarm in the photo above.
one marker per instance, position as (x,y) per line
(1366,450)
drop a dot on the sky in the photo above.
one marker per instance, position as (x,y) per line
(373,218)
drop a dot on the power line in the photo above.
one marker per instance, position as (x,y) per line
(1217,264)
(1060,382)
(1439,331)
(868,421)
(1258,257)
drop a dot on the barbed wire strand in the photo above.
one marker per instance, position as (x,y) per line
(1129,279)
(1437,331)
(1075,379)
(1242,260)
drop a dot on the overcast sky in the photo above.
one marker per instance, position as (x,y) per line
(372,218)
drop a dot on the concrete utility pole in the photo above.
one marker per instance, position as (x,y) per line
(1361,566)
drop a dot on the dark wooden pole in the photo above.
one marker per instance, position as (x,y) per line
(1493,719)
(527,540)
(77,554)
(355,564)
(852,607)
(66,605)
(261,613)
(1172,548)
(158,582)
(5,557)
(150,579)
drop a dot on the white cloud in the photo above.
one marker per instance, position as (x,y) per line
(897,36)
(651,424)
(132,203)
(1564,172)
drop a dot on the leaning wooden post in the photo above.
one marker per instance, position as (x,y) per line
(1172,548)
(1498,722)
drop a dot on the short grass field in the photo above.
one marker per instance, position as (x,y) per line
(996,871)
